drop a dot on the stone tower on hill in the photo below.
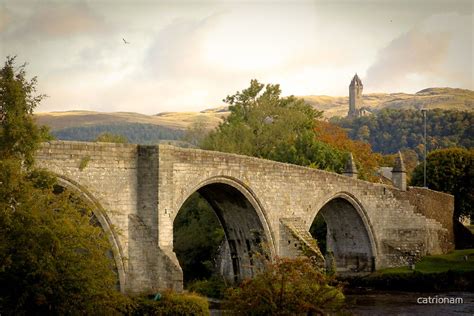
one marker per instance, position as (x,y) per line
(355,97)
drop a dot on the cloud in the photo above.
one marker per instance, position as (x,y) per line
(5,18)
(175,48)
(189,56)
(195,63)
(58,20)
(436,52)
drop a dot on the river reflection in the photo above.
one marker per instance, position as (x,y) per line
(405,303)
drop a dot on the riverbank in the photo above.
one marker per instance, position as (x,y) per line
(449,272)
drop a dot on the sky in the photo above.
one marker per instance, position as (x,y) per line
(189,55)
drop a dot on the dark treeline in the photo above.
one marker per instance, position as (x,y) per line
(391,130)
(134,132)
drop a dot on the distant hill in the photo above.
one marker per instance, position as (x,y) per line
(137,128)
(85,125)
(431,98)
(173,120)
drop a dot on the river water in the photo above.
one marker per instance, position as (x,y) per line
(410,303)
(403,303)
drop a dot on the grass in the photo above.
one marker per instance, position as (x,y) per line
(453,261)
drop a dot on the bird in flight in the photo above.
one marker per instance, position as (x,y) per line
(125,42)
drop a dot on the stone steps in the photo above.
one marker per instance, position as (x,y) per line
(407,218)
(308,245)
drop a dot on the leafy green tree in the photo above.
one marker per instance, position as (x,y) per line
(263,124)
(52,259)
(19,135)
(452,171)
(286,287)
(111,138)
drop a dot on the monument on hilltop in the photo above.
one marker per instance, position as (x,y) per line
(356,108)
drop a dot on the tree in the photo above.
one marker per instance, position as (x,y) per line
(366,160)
(197,131)
(391,130)
(111,138)
(452,171)
(52,259)
(263,124)
(19,135)
(363,133)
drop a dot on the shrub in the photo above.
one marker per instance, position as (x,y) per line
(172,303)
(287,286)
(214,287)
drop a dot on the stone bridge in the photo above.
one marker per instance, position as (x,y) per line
(138,191)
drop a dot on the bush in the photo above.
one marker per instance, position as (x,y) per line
(287,286)
(172,304)
(214,287)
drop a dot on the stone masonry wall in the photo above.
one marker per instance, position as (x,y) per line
(141,189)
(286,191)
(435,205)
(123,178)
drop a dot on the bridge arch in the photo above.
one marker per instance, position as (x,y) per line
(350,238)
(243,219)
(103,220)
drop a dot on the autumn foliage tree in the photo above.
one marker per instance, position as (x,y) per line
(366,160)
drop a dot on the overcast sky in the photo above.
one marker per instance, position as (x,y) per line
(189,55)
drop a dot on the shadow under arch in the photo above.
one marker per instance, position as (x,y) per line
(242,218)
(350,238)
(104,222)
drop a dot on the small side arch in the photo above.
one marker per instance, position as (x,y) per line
(104,221)
(350,235)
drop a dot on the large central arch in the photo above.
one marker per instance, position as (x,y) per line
(245,225)
(351,247)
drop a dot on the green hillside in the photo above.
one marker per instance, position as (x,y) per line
(394,129)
